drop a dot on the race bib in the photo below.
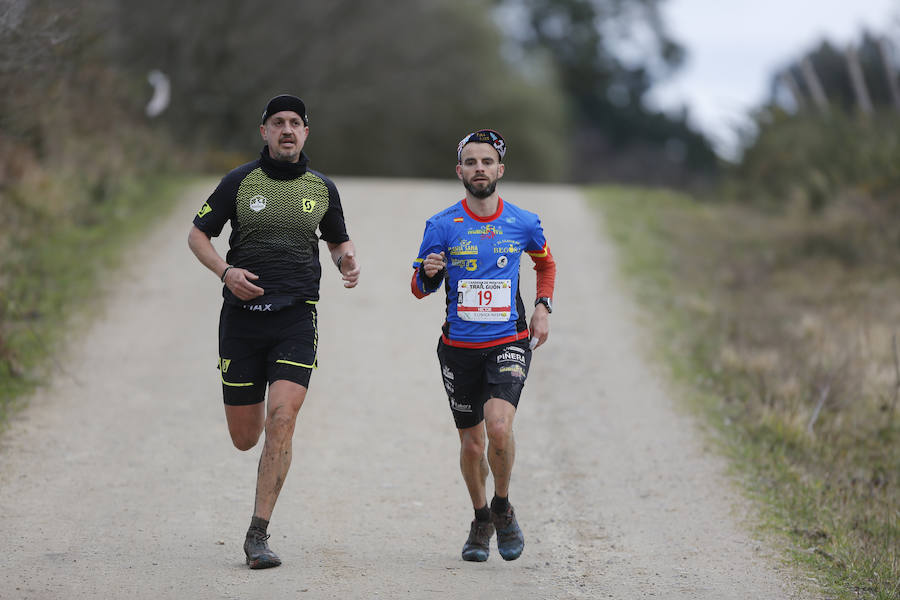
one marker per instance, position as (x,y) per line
(484,300)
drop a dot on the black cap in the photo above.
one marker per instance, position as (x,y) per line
(285,102)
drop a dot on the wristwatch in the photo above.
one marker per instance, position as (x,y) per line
(546,302)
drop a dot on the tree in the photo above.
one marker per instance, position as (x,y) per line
(608,53)
(390,86)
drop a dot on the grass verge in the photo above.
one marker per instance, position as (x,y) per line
(52,269)
(781,329)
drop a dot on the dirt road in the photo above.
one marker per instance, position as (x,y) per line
(120,481)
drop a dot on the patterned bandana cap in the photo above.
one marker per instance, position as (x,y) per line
(485,136)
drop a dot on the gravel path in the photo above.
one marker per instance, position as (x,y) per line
(119,480)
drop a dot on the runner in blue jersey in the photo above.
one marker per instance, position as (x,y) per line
(473,250)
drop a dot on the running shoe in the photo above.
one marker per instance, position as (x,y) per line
(257,550)
(478,546)
(510,541)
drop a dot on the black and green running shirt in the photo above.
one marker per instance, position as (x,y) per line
(275,209)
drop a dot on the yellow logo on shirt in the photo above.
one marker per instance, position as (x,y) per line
(204,210)
(307,205)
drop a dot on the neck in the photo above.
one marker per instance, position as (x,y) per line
(483,207)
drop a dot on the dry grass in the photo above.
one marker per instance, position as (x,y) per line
(783,327)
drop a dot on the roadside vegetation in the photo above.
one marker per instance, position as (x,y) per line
(783,330)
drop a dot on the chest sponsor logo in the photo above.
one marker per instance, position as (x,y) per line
(465,247)
(204,210)
(469,264)
(257,203)
(307,205)
(502,261)
(487,232)
(508,247)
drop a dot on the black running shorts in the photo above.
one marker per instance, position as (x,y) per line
(474,375)
(256,348)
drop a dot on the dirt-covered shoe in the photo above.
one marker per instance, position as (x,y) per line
(257,550)
(478,546)
(510,541)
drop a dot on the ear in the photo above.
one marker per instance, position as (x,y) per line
(501,170)
(262,131)
(459,171)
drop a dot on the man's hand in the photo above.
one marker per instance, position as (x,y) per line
(238,281)
(433,263)
(540,325)
(349,269)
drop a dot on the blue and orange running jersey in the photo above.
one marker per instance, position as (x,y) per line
(483,254)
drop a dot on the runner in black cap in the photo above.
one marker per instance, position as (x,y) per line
(267,327)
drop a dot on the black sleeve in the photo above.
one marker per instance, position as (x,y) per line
(220,206)
(332,225)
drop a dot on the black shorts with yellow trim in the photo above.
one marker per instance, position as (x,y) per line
(256,348)
(472,376)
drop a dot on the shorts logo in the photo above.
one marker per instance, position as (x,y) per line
(307,205)
(502,261)
(257,203)
(508,356)
(258,307)
(204,210)
(515,370)
(460,407)
(224,363)
(448,373)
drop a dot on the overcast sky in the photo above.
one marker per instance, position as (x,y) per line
(734,47)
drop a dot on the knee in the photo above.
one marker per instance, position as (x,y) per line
(499,432)
(245,440)
(472,449)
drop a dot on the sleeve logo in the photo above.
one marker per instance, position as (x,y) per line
(204,210)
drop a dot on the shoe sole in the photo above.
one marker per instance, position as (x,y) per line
(263,564)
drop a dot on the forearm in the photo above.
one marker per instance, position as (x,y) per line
(545,268)
(339,250)
(202,247)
